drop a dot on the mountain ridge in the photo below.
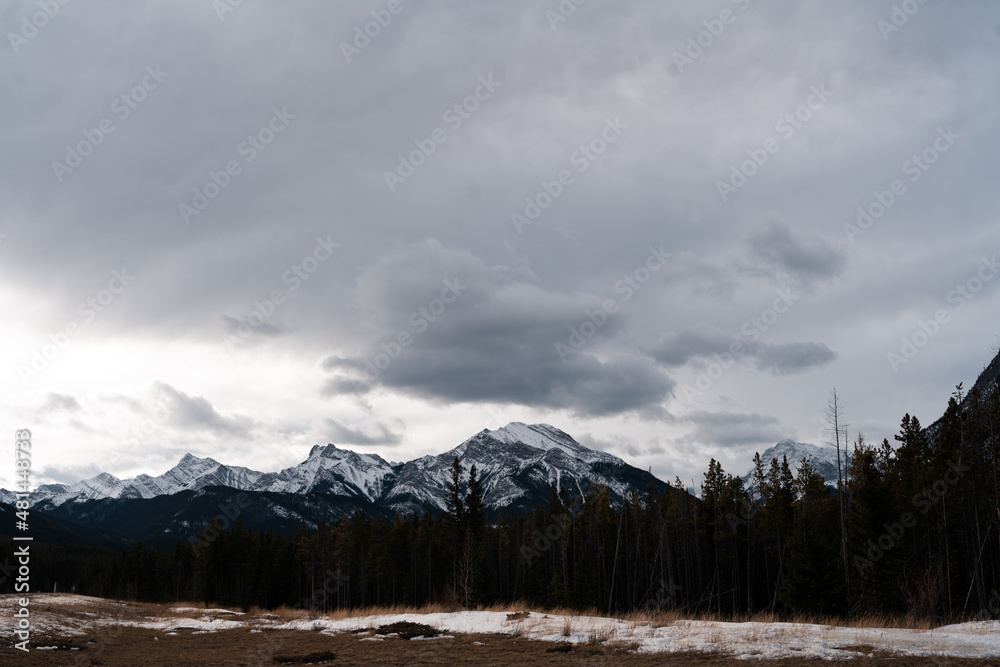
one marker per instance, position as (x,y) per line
(822,457)
(517,464)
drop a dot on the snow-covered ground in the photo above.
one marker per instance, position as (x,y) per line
(68,615)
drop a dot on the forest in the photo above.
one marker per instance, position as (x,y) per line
(910,529)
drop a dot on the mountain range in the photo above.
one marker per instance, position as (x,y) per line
(516,464)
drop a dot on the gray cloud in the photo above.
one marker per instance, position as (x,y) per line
(380,434)
(197,414)
(324,176)
(789,358)
(807,257)
(733,429)
(496,341)
(677,349)
(60,403)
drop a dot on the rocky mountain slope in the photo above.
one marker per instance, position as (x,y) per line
(822,457)
(517,464)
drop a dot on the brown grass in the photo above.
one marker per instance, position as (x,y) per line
(520,609)
(238,648)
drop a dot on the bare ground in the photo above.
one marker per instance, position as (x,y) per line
(115,644)
(135,646)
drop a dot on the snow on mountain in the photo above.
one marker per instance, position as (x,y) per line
(822,457)
(190,473)
(516,465)
(331,470)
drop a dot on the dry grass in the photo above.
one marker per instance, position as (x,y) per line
(521,610)
(600,636)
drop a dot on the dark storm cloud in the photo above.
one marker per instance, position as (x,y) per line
(442,325)
(221,81)
(677,349)
(789,358)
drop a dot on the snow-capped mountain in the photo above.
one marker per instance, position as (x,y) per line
(822,457)
(190,473)
(516,465)
(331,470)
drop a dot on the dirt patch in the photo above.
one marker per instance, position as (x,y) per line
(408,630)
(317,658)
(141,647)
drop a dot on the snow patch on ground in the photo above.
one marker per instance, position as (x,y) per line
(62,616)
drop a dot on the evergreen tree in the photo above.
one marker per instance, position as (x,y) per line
(454,502)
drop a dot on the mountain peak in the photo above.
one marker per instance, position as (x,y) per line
(822,457)
(518,463)
(539,436)
(321,450)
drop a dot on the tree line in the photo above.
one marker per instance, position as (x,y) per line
(911,529)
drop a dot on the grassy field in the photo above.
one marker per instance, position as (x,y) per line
(88,631)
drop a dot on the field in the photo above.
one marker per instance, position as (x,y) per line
(77,630)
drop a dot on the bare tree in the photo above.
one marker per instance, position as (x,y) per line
(839,431)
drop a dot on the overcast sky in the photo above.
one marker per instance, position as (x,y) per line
(637,221)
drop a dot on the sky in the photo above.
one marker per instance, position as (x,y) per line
(670,229)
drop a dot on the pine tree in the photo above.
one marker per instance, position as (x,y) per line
(474,502)
(815,582)
(455,505)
